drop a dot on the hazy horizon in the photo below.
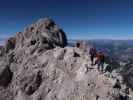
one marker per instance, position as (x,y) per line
(3,40)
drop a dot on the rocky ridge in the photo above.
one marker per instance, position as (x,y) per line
(37,65)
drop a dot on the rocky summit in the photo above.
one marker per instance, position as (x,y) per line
(37,64)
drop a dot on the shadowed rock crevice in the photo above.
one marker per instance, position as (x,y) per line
(5,76)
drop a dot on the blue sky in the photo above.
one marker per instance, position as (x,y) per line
(86,19)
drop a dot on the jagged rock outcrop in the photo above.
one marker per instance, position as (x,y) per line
(44,69)
(62,76)
(44,33)
(10,44)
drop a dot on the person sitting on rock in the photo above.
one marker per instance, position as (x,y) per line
(97,97)
(100,60)
(117,84)
(117,90)
(92,55)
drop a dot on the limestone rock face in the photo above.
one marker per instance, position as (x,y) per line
(44,33)
(57,74)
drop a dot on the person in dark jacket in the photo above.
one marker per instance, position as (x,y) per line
(100,61)
(92,55)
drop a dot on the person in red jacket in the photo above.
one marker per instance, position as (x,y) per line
(100,61)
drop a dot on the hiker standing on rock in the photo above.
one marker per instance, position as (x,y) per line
(100,61)
(92,55)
